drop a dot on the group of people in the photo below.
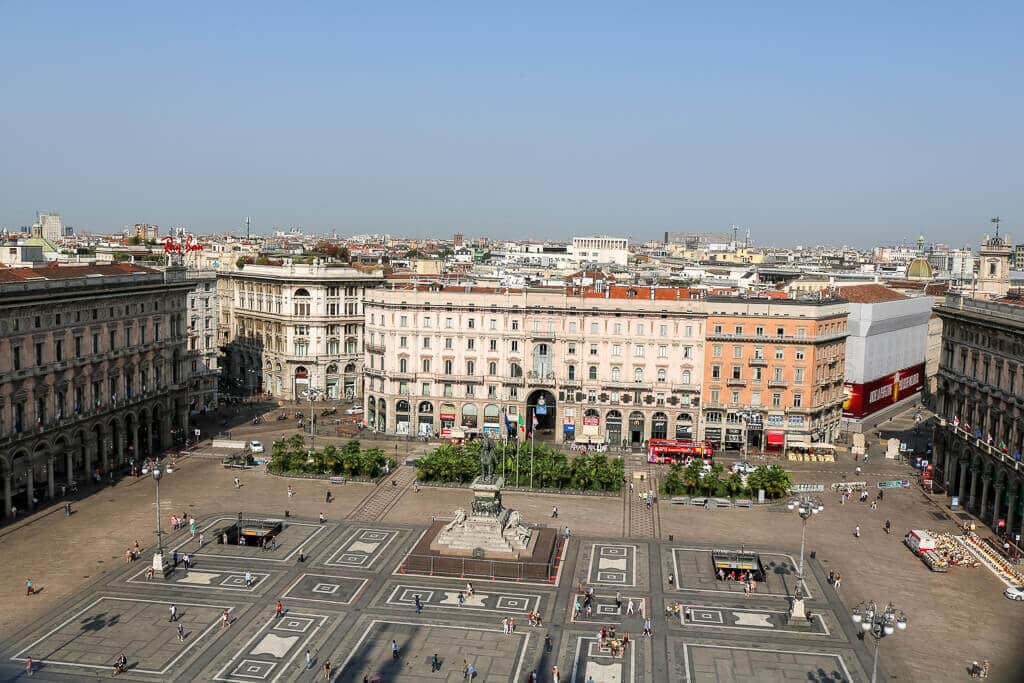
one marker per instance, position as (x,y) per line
(835,579)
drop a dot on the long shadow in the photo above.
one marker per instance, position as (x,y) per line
(821,676)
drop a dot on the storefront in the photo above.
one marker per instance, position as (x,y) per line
(714,435)
(402,417)
(684,426)
(659,426)
(775,439)
(734,438)
(425,419)
(470,419)
(447,419)
(492,420)
(613,427)
(636,428)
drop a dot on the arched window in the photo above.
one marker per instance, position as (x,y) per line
(616,374)
(350,368)
(332,369)
(638,374)
(542,349)
(572,372)
(492,368)
(402,406)
(301,297)
(661,374)
(516,370)
(686,376)
(403,365)
(592,372)
(426,407)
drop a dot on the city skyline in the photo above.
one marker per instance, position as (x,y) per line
(811,126)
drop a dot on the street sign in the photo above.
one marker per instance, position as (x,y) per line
(900,484)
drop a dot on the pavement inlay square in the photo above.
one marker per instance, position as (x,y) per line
(591,659)
(712,663)
(293,538)
(95,635)
(362,548)
(694,572)
(268,650)
(495,656)
(612,564)
(500,600)
(324,588)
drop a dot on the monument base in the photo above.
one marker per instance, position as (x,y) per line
(161,569)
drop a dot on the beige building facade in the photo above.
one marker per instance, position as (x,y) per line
(94,373)
(289,329)
(616,365)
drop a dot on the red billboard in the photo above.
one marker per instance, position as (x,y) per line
(864,399)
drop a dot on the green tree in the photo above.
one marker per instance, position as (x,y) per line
(693,473)
(711,480)
(773,479)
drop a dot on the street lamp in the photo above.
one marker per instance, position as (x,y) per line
(879,623)
(541,403)
(158,558)
(806,507)
(313,394)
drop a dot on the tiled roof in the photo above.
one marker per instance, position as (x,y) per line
(870,294)
(56,271)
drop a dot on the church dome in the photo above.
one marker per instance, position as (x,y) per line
(919,269)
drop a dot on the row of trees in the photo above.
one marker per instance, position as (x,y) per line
(551,468)
(692,479)
(291,456)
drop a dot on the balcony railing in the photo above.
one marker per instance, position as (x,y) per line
(736,382)
(1005,458)
(758,362)
(777,383)
(374,348)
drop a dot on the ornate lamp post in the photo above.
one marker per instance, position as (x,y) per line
(806,507)
(313,394)
(879,623)
(159,568)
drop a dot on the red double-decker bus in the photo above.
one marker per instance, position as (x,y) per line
(669,451)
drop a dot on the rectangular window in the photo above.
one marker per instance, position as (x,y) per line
(755,398)
(780,331)
(493,345)
(688,352)
(470,344)
(448,342)
(425,364)
(716,351)
(448,323)
(593,349)
(593,328)
(616,349)
(663,351)
(776,400)
(799,353)
(426,342)
(494,323)
(403,342)
(638,351)
(572,328)
(58,350)
(639,328)
(471,323)
(515,325)
(16,357)
(663,330)
(689,330)
(780,353)
(39,353)
(798,376)
(758,374)
(617,328)
(798,400)
(96,342)
(718,329)
(759,330)
(425,389)
(716,372)
(737,352)
(737,372)
(515,345)
(801,332)
(735,398)
(739,330)
(403,321)
(572,348)
(715,400)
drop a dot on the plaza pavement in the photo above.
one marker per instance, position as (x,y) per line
(346,603)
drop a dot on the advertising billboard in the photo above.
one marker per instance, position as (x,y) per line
(864,399)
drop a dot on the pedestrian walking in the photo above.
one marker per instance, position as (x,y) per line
(554,511)
(394,649)
(174,558)
(202,540)
(512,625)
(554,673)
(238,484)
(469,588)
(629,606)
(29,588)
(181,632)
(618,601)
(29,667)
(248,579)
(419,605)
(291,492)
(327,670)
(504,626)
(278,610)
(462,599)
(435,663)
(174,613)
(465,669)
(309,660)
(568,533)
(322,518)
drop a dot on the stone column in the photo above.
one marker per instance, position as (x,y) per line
(963,481)
(70,462)
(973,495)
(985,482)
(89,443)
(7,494)
(104,445)
(165,431)
(998,502)
(50,489)
(135,441)
(119,446)
(30,486)
(1011,502)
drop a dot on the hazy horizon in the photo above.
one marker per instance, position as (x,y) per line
(809,124)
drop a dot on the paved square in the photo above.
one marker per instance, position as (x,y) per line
(593,660)
(501,601)
(731,663)
(496,657)
(209,579)
(293,538)
(612,565)
(271,652)
(362,548)
(755,619)
(334,590)
(694,572)
(95,635)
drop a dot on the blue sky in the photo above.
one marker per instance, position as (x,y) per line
(819,122)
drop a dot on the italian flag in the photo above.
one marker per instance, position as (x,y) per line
(522,422)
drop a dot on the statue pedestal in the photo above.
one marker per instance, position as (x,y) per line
(489,531)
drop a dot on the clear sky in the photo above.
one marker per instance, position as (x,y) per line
(819,122)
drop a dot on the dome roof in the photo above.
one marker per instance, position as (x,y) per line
(919,269)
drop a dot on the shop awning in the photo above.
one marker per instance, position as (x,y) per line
(775,437)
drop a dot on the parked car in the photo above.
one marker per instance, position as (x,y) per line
(255,446)
(357,410)
(1015,593)
(742,467)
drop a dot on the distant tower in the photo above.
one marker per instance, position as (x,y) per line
(457,239)
(920,244)
(994,265)
(247,224)
(50,226)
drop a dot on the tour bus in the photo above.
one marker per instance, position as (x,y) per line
(669,451)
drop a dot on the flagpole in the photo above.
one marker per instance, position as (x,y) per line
(532,434)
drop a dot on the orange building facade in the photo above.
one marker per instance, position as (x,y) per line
(773,371)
